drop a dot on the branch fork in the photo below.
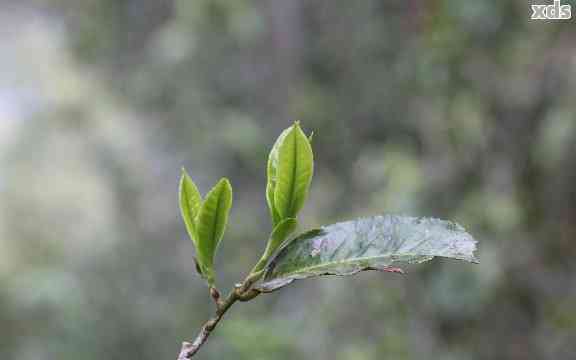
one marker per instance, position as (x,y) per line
(241,292)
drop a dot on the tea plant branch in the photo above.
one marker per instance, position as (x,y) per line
(345,248)
(190,349)
(241,292)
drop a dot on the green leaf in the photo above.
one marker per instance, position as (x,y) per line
(294,173)
(277,238)
(271,171)
(374,243)
(190,202)
(211,224)
(281,233)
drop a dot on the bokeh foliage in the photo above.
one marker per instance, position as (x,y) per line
(456,109)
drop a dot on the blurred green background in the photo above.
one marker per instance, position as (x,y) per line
(458,109)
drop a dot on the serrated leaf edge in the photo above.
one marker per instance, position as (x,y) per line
(269,285)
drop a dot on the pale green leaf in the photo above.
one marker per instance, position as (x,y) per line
(294,173)
(211,224)
(281,233)
(375,243)
(278,236)
(190,202)
(271,171)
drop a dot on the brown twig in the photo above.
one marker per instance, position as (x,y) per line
(241,292)
(189,349)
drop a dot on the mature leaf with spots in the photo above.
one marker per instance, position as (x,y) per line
(381,242)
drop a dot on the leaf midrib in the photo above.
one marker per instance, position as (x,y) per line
(187,209)
(214,224)
(294,172)
(331,263)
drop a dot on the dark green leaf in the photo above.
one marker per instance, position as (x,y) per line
(211,224)
(374,243)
